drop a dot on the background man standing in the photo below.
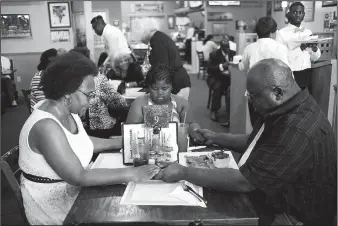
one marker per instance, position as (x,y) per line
(115,41)
(300,57)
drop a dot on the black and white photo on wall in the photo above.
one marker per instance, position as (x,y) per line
(59,14)
(277,6)
(268,8)
(15,26)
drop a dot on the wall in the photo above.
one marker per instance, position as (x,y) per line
(26,52)
(168,8)
(316,26)
(245,11)
(39,20)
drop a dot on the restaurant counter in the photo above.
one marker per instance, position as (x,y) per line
(324,76)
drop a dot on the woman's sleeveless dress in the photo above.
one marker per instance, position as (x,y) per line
(175,115)
(49,203)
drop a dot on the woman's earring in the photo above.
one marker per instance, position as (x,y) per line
(67,102)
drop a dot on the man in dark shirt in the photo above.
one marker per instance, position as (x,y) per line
(288,162)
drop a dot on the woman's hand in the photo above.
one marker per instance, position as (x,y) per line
(145,172)
(194,134)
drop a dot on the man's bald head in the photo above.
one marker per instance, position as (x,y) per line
(269,84)
(270,72)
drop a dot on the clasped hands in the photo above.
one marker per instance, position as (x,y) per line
(172,172)
(313,46)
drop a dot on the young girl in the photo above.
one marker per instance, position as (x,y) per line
(159,80)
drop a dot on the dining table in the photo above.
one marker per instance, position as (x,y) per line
(101,205)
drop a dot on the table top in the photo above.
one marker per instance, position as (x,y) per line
(102,205)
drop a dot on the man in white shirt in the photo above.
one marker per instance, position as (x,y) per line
(266,47)
(300,55)
(7,80)
(115,41)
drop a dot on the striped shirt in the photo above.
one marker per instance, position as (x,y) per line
(36,91)
(294,162)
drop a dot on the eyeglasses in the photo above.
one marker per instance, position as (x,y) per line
(89,95)
(250,96)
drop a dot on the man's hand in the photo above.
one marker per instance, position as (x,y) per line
(209,136)
(196,136)
(172,173)
(225,65)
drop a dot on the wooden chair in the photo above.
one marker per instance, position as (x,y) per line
(202,64)
(224,94)
(27,95)
(10,167)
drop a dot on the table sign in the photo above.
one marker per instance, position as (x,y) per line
(131,132)
(157,115)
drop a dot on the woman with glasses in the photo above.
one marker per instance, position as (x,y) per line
(55,150)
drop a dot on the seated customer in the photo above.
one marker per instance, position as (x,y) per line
(37,93)
(159,80)
(219,79)
(7,81)
(55,150)
(128,71)
(290,158)
(99,120)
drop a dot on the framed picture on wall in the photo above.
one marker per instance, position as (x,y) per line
(329,3)
(15,26)
(59,14)
(219,28)
(278,6)
(60,36)
(171,22)
(268,8)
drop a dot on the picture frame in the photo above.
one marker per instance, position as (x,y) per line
(277,5)
(59,14)
(60,35)
(329,3)
(219,28)
(171,22)
(15,26)
(269,8)
(220,16)
(129,137)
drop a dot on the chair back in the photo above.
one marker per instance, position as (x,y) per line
(200,56)
(10,167)
(27,95)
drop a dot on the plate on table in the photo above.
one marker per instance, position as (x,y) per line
(204,160)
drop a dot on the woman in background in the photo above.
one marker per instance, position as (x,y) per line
(55,150)
(106,106)
(36,91)
(126,70)
(209,46)
(265,47)
(163,50)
